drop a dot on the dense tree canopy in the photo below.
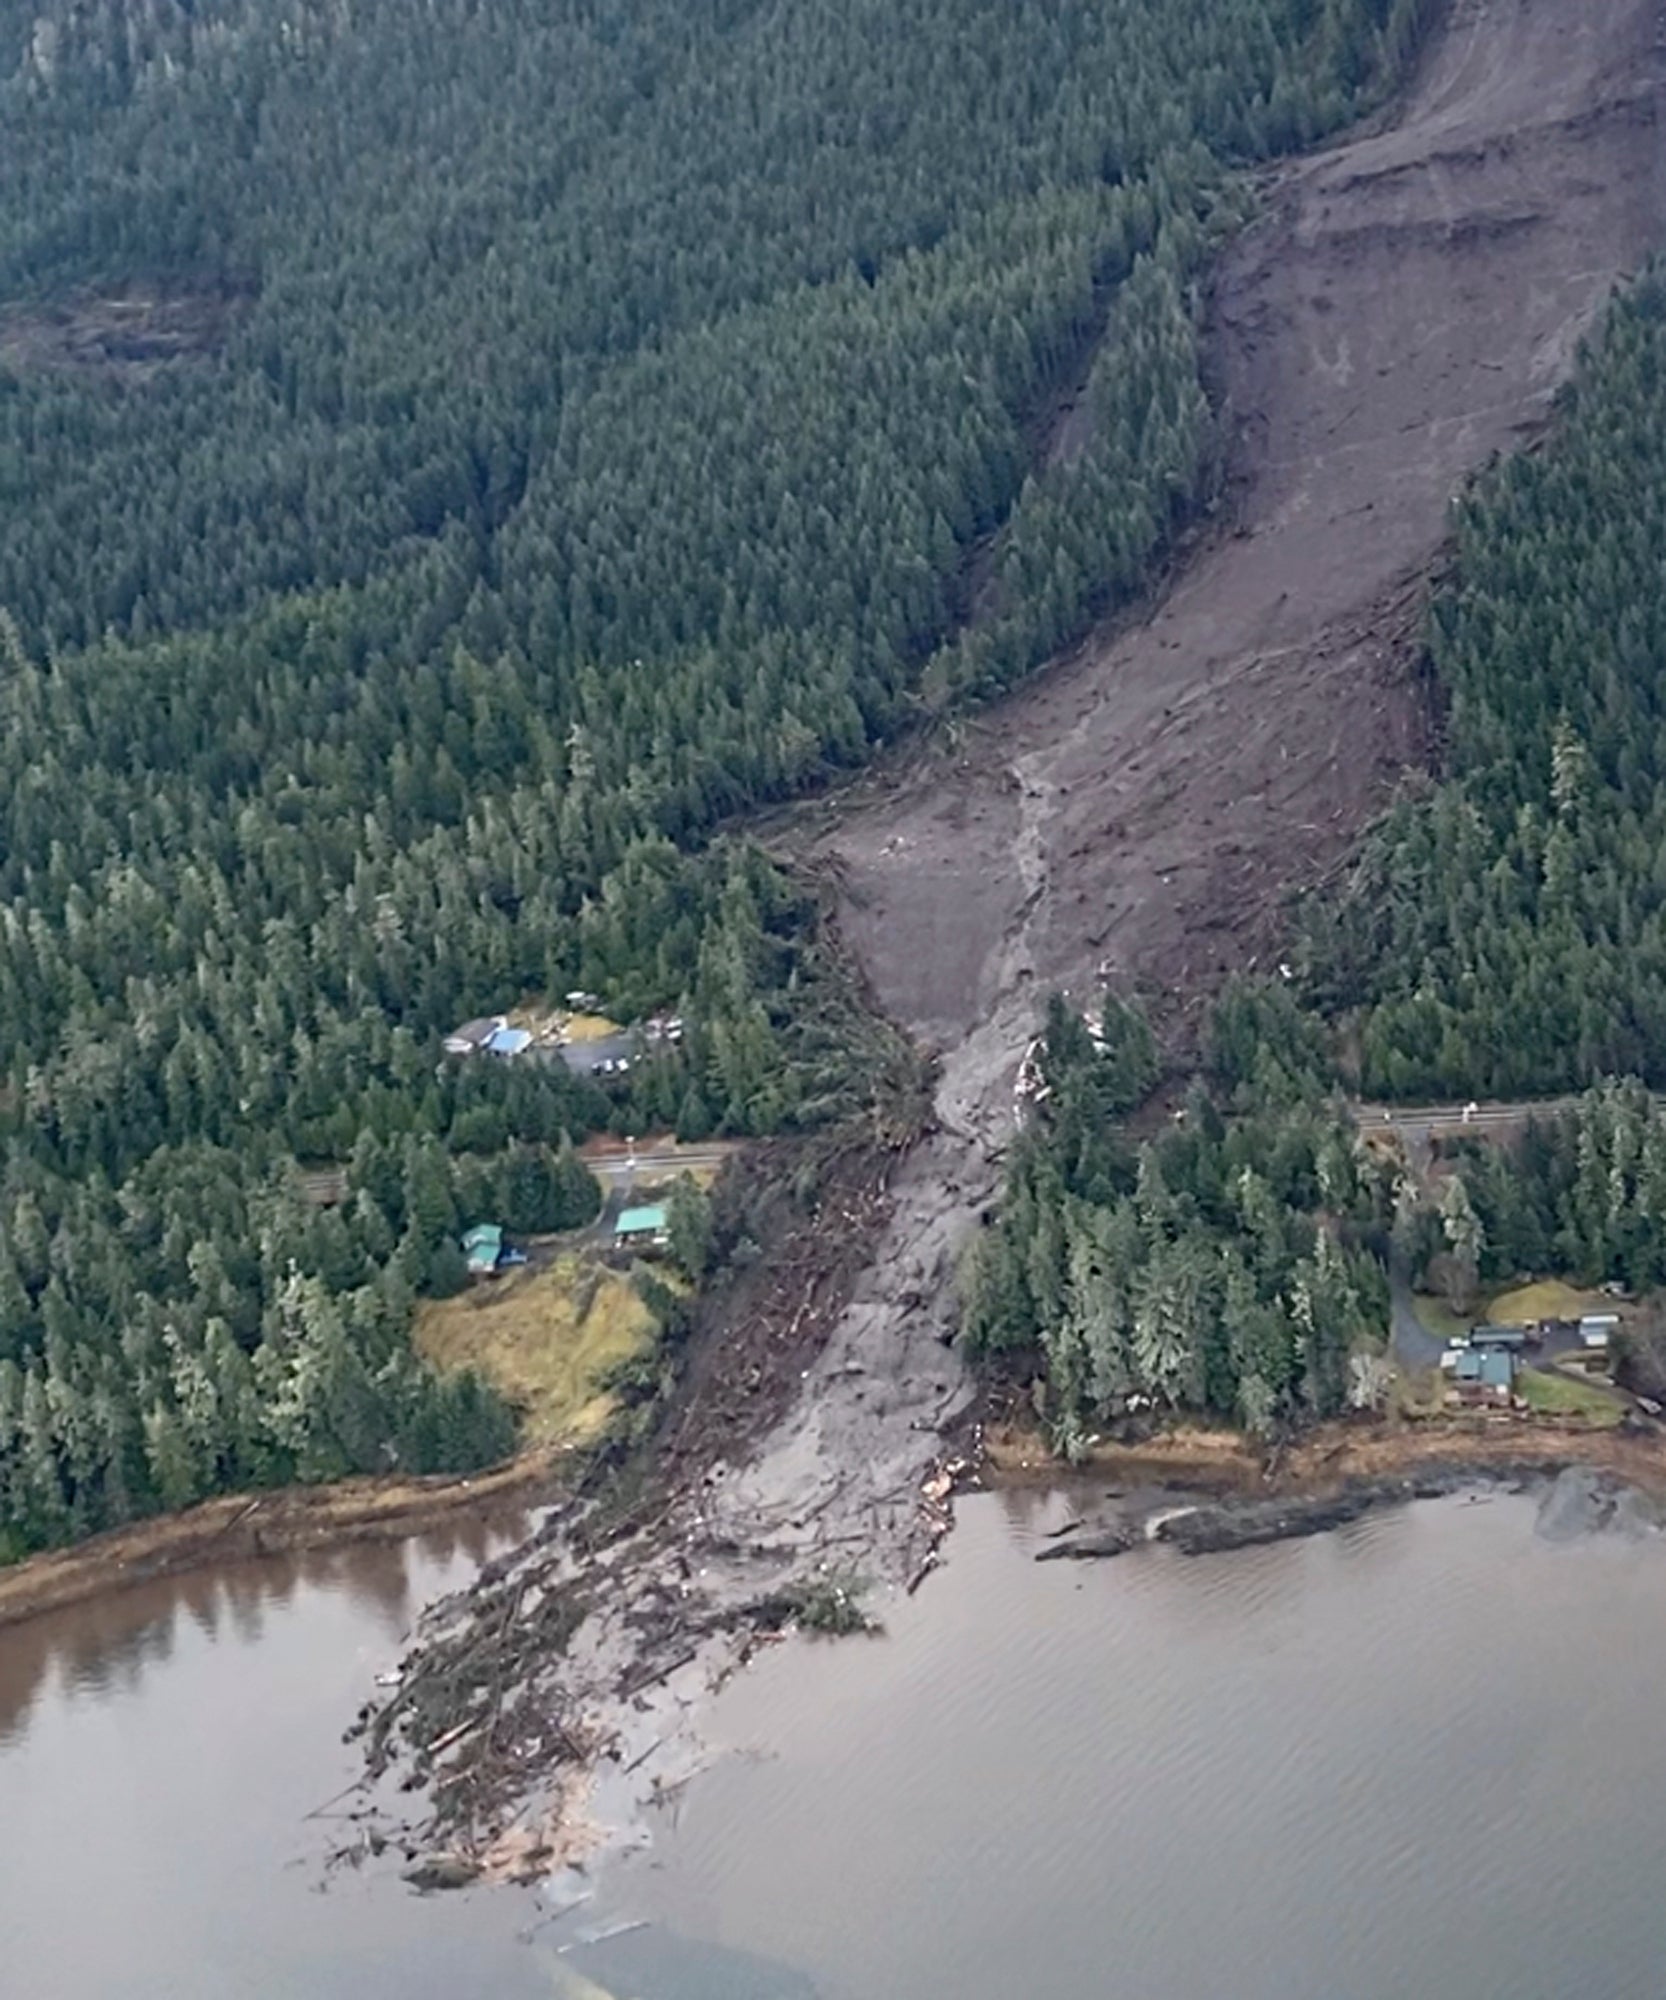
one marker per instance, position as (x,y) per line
(577,297)
(1584,1193)
(452,458)
(1505,934)
(1224,1266)
(1509,936)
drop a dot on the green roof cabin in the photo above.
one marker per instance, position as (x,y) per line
(641,1229)
(1483,1375)
(483,1249)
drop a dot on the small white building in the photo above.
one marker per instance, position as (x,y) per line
(1596,1330)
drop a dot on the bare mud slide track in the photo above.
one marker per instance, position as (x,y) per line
(1405,309)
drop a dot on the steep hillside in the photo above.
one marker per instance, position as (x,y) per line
(451,457)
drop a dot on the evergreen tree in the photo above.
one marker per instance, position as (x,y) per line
(575,1194)
(689,1227)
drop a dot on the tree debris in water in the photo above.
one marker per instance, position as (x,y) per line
(575,1653)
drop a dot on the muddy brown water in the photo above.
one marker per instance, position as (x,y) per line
(160,1750)
(1425,1755)
(1422,1755)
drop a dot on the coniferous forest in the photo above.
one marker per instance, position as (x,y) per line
(1504,934)
(1227,1265)
(1509,937)
(451,459)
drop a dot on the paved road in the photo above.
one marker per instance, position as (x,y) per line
(1415,1347)
(328,1185)
(1473,1117)
(615,1169)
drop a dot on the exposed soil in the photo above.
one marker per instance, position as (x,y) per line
(1336,1457)
(592,1645)
(1140,813)
(771,1321)
(129,334)
(1405,309)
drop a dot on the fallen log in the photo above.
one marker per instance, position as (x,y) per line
(1091,1548)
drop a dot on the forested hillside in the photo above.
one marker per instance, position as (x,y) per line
(451,458)
(1225,1266)
(1504,934)
(1584,1193)
(646,326)
(1509,937)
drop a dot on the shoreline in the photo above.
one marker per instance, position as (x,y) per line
(1189,1463)
(1206,1492)
(960,899)
(1223,1464)
(236,1527)
(632,1693)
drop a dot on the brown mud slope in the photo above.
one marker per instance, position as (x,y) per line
(1406,309)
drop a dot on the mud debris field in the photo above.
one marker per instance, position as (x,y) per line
(1406,308)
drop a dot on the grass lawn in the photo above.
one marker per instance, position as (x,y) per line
(589,1027)
(1551,1395)
(1550,1298)
(543,1338)
(1436,1316)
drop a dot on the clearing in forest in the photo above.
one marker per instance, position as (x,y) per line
(1546,1298)
(546,1338)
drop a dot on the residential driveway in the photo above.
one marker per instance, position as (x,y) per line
(1415,1347)
(1557,1347)
(585,1058)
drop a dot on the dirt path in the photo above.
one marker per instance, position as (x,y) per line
(1407,308)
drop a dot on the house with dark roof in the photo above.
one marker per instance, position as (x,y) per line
(473,1036)
(1499,1336)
